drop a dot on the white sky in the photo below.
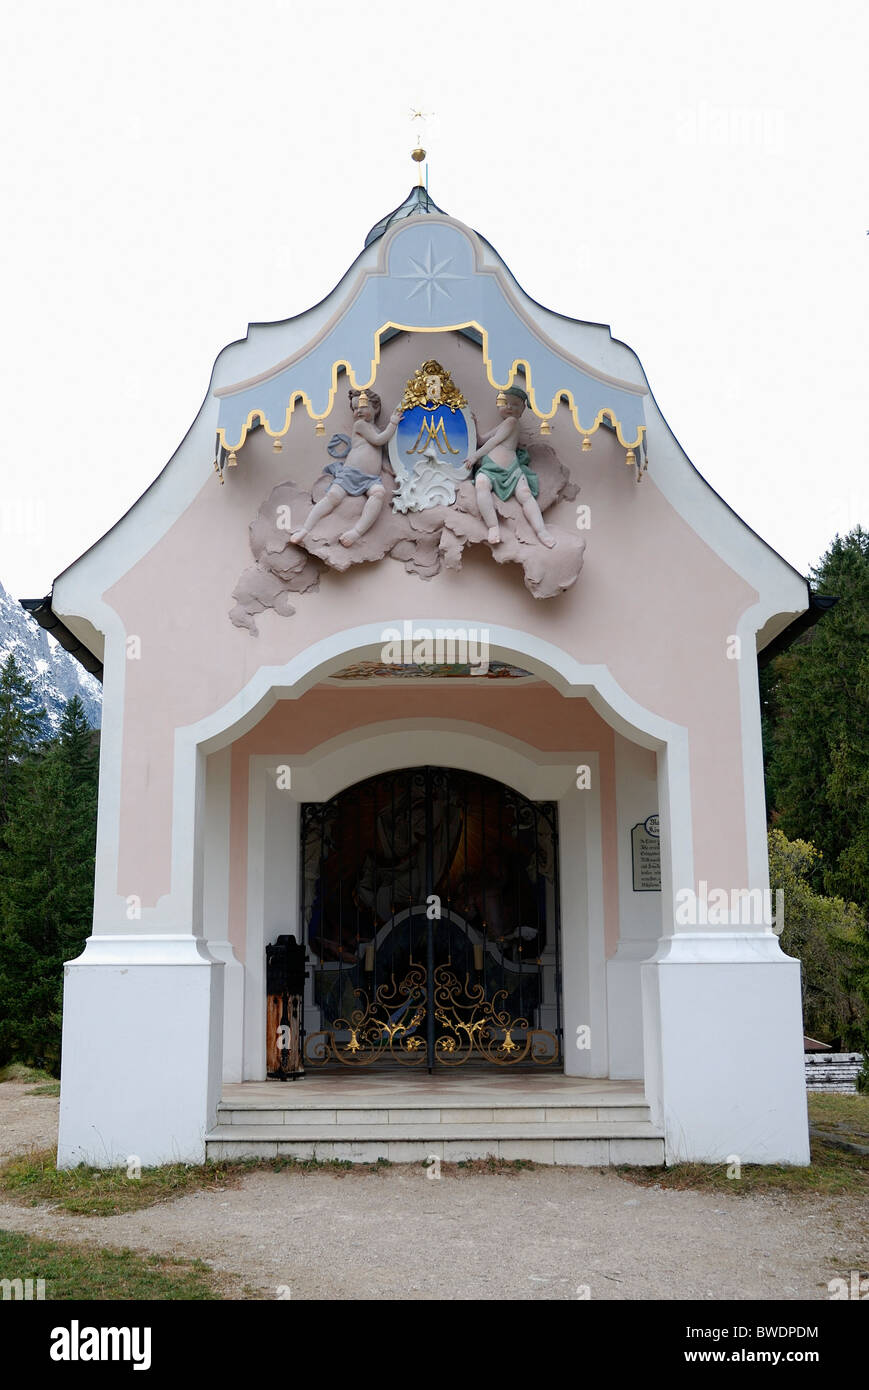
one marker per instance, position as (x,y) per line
(695,176)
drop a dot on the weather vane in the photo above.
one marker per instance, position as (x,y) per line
(418,153)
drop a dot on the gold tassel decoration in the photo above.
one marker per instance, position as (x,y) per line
(320,428)
(586,444)
(630,458)
(277,446)
(545,427)
(232,460)
(500,399)
(363,401)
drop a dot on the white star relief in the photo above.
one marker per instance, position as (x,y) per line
(430,276)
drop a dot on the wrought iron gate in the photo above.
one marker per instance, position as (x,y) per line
(429,903)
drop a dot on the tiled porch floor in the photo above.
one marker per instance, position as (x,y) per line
(372,1090)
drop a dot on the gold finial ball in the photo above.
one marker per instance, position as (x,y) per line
(418,154)
(586,444)
(277,446)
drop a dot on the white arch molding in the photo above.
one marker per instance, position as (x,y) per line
(551,663)
(272,904)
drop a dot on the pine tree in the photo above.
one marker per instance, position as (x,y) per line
(46,888)
(21,722)
(816,739)
(818,727)
(78,742)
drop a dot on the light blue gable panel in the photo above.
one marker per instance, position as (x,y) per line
(429,282)
(432,281)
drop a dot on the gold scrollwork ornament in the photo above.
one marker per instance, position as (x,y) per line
(431,385)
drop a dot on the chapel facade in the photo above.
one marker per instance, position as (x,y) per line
(431,785)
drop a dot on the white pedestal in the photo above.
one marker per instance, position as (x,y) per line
(723,1042)
(142,1051)
(233,1009)
(625,1008)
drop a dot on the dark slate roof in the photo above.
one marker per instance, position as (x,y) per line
(416,202)
(42,611)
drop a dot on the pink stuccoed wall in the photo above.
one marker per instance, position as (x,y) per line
(536,714)
(653,603)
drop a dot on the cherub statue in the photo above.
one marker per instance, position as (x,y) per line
(358,471)
(505,469)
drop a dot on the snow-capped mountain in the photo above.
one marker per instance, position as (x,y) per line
(56,675)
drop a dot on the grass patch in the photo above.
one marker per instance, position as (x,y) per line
(17,1071)
(490,1164)
(341,1167)
(842,1117)
(33,1178)
(93,1272)
(51,1088)
(832,1173)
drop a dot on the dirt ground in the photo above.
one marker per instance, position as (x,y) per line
(546,1233)
(26,1122)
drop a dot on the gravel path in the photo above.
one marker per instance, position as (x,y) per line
(26,1122)
(535,1234)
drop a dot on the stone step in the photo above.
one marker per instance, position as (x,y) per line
(591,1145)
(517,1112)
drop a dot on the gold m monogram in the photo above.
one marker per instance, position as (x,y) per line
(431,433)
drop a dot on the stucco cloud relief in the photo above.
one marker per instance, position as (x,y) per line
(424,542)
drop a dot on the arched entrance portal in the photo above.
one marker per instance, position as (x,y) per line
(429,908)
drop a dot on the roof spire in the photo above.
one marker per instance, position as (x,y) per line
(419,117)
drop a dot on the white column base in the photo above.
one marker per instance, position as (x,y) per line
(142,1044)
(625,1008)
(233,1009)
(723,1042)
